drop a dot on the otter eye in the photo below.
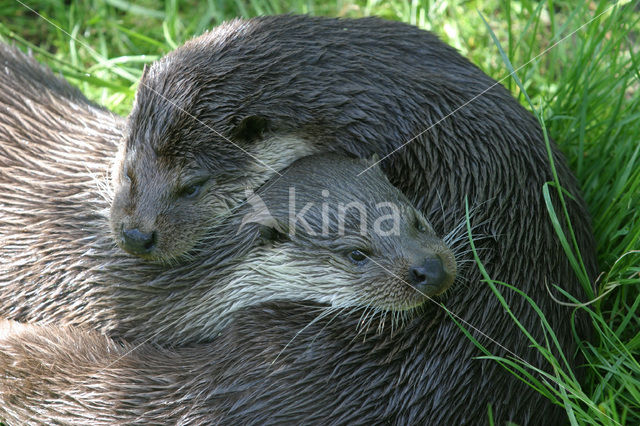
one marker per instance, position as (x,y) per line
(420,225)
(268,235)
(358,257)
(128,174)
(192,190)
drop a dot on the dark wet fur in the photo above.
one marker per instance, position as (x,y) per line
(375,84)
(366,86)
(67,270)
(58,261)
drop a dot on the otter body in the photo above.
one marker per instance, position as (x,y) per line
(222,112)
(72,361)
(279,88)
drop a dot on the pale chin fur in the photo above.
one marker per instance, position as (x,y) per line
(264,276)
(276,153)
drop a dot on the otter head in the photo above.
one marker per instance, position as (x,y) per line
(162,204)
(182,168)
(349,239)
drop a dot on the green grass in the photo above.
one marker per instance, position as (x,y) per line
(584,90)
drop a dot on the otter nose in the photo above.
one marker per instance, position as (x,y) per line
(136,242)
(428,276)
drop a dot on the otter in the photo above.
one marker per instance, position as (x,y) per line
(230,108)
(58,262)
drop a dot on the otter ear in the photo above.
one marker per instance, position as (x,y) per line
(269,235)
(145,71)
(250,129)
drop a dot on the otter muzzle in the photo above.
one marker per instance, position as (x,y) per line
(138,243)
(429,277)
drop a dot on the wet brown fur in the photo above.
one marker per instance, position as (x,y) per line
(490,152)
(368,86)
(74,275)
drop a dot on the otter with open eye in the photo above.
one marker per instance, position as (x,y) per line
(317,233)
(365,232)
(167,198)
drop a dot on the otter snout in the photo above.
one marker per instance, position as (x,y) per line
(139,243)
(429,277)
